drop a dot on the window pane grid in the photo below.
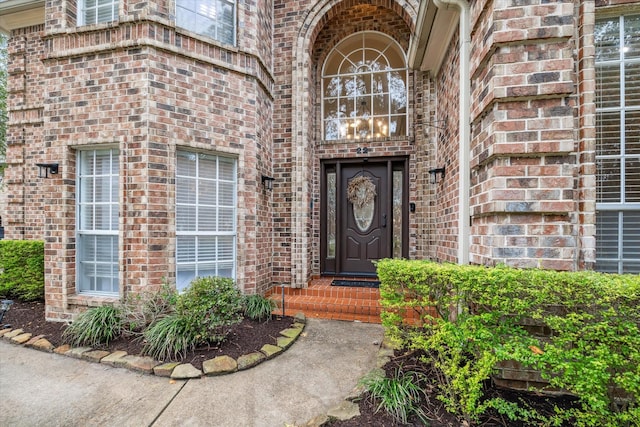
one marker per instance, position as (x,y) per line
(364,89)
(94,12)
(212,18)
(618,144)
(97,232)
(206,217)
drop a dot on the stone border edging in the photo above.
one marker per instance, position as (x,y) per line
(220,365)
(348,408)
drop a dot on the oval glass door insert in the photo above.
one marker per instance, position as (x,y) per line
(361,192)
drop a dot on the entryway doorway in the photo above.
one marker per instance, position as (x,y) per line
(364,214)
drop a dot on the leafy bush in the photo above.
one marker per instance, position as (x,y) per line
(399,395)
(204,314)
(471,318)
(210,305)
(94,327)
(257,307)
(22,269)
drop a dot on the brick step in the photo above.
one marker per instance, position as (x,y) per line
(330,302)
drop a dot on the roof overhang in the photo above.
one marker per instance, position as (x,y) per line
(20,13)
(434,29)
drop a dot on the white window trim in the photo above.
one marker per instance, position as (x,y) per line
(622,156)
(93,232)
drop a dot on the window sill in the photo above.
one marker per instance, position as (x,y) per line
(91,300)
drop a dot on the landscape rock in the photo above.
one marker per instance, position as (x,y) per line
(12,333)
(5,331)
(95,355)
(220,365)
(33,340)
(62,349)
(139,363)
(77,352)
(115,358)
(284,342)
(318,421)
(291,332)
(344,411)
(300,318)
(165,369)
(185,371)
(248,360)
(22,338)
(270,350)
(43,344)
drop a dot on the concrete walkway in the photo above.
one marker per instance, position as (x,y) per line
(315,374)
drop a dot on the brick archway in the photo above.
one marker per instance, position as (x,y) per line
(301,178)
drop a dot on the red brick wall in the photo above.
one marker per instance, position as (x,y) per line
(524,166)
(25,200)
(443,245)
(147,89)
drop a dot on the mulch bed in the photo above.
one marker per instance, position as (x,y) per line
(246,337)
(434,409)
(250,336)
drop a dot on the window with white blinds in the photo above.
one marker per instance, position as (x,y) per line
(211,18)
(97,222)
(205,217)
(97,11)
(618,144)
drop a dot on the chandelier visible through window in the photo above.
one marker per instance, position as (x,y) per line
(364,88)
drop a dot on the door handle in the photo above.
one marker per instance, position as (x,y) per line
(384,220)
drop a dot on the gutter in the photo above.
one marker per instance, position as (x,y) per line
(464,158)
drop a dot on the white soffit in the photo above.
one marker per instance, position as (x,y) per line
(20,13)
(434,30)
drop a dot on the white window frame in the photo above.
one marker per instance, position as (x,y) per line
(84,6)
(356,116)
(192,223)
(97,263)
(622,207)
(207,11)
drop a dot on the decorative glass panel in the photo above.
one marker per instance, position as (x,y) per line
(331,214)
(364,215)
(398,186)
(364,83)
(361,193)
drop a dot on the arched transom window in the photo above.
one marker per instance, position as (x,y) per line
(364,88)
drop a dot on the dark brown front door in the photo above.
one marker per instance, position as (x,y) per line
(363,215)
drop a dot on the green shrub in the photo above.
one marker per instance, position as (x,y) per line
(204,314)
(94,327)
(591,321)
(399,395)
(22,269)
(257,307)
(210,306)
